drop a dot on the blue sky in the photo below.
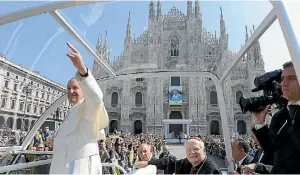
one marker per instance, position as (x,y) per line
(39,42)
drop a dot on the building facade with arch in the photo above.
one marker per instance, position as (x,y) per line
(177,42)
(26,94)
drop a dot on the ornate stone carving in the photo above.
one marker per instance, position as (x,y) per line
(198,51)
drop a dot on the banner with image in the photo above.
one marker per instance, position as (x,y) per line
(175,95)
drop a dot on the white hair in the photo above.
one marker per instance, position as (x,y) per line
(199,142)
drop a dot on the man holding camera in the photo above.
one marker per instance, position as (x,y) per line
(281,139)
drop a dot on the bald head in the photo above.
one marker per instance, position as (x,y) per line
(165,149)
(75,93)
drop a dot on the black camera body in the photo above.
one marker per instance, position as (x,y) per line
(269,83)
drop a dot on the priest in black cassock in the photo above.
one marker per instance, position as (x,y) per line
(196,162)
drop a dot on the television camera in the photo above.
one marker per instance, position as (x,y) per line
(269,83)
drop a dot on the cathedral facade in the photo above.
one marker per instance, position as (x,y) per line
(177,42)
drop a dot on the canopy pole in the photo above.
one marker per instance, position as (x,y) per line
(225,127)
(73,33)
(264,25)
(289,34)
(38,10)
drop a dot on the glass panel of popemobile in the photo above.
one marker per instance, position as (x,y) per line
(141,37)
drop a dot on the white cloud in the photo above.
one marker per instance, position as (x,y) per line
(13,41)
(274,48)
(56,34)
(93,15)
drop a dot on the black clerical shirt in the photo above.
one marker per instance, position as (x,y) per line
(183,166)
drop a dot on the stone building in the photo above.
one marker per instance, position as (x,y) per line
(26,95)
(177,42)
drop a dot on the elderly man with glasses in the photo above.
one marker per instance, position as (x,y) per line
(196,161)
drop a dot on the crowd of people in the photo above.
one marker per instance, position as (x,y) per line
(273,148)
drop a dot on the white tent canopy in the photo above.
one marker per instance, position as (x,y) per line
(279,12)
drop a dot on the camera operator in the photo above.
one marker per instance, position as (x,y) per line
(282,138)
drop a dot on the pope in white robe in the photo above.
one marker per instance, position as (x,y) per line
(75,148)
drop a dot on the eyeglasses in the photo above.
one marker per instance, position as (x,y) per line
(193,150)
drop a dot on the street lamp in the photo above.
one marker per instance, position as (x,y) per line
(197,108)
(154,116)
(27,89)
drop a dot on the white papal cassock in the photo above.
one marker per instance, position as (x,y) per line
(75,148)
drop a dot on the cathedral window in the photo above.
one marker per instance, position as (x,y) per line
(114,99)
(35,109)
(139,79)
(175,81)
(213,98)
(28,107)
(13,104)
(6,84)
(41,110)
(3,104)
(21,107)
(174,46)
(15,87)
(238,95)
(138,99)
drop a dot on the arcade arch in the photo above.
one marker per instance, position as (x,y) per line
(175,129)
(138,127)
(2,122)
(113,126)
(241,127)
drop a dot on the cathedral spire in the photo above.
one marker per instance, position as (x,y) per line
(189,9)
(128,31)
(197,9)
(105,42)
(247,37)
(159,11)
(105,47)
(151,12)
(99,44)
(99,39)
(222,25)
(223,35)
(221,13)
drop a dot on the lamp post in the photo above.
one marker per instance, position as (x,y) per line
(154,116)
(197,108)
(27,89)
(57,117)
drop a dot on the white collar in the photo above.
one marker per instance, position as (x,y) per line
(241,161)
(297,103)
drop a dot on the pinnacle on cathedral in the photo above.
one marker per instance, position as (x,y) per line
(189,9)
(197,9)
(223,35)
(128,31)
(159,11)
(151,12)
(99,44)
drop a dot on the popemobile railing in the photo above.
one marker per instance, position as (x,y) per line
(24,166)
